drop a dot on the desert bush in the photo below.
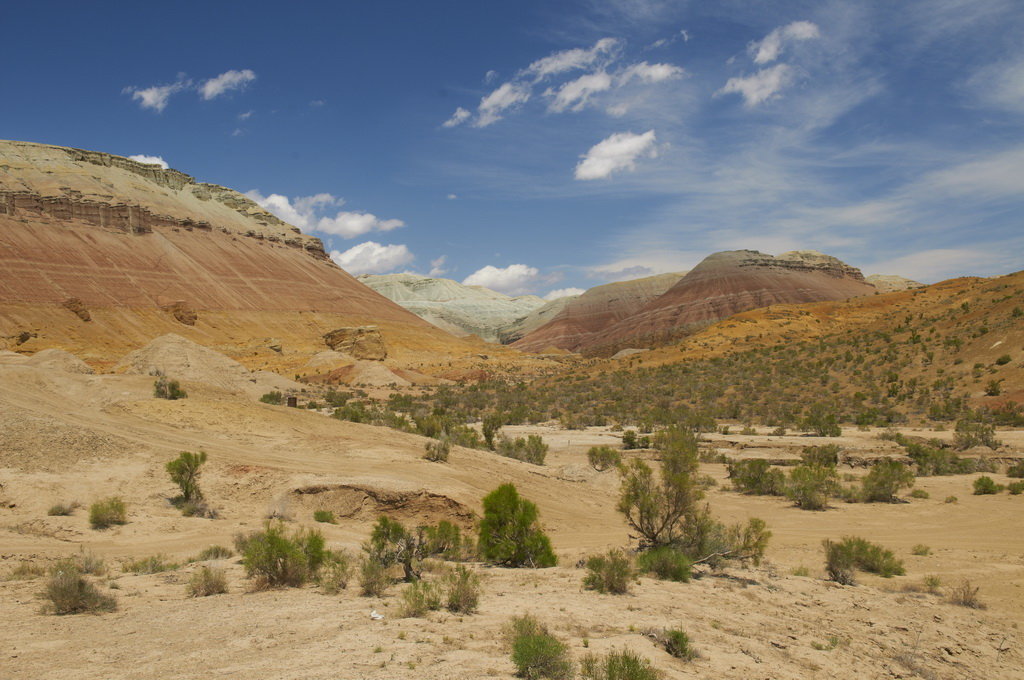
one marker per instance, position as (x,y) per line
(154,564)
(215,552)
(828,455)
(62,509)
(885,480)
(197,509)
(919,493)
(437,450)
(273,397)
(822,421)
(617,665)
(274,559)
(609,573)
(677,643)
(510,533)
(325,516)
(665,563)
(971,432)
(757,476)
(419,598)
(810,486)
(463,590)
(985,485)
(90,563)
(373,578)
(1016,470)
(26,571)
(965,594)
(207,581)
(921,550)
(168,389)
(1016,488)
(335,572)
(537,653)
(842,558)
(107,512)
(391,543)
(602,458)
(184,471)
(445,539)
(531,450)
(68,592)
(950,499)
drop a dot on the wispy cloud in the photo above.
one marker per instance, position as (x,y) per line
(156,97)
(307,213)
(618,152)
(770,48)
(226,82)
(761,86)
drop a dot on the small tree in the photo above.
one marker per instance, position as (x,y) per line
(810,486)
(885,480)
(491,426)
(184,471)
(391,543)
(510,533)
(603,457)
(822,421)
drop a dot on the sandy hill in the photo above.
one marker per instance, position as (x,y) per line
(99,254)
(583,317)
(455,307)
(729,282)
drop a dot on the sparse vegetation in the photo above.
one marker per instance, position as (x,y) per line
(26,571)
(163,388)
(185,471)
(274,559)
(463,590)
(68,592)
(154,564)
(273,397)
(510,533)
(532,449)
(62,509)
(419,598)
(437,451)
(325,516)
(677,643)
(885,480)
(108,512)
(617,665)
(207,581)
(965,594)
(215,552)
(810,486)
(537,653)
(756,476)
(919,493)
(602,458)
(609,573)
(666,563)
(985,485)
(373,578)
(921,550)
(335,572)
(853,552)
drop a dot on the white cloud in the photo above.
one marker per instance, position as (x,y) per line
(505,97)
(564,292)
(514,279)
(437,266)
(618,152)
(245,116)
(350,224)
(304,211)
(769,49)
(1000,85)
(452,197)
(150,160)
(570,60)
(650,73)
(458,118)
(157,96)
(225,82)
(490,76)
(760,87)
(372,258)
(575,93)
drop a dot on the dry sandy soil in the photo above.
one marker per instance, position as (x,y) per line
(69,436)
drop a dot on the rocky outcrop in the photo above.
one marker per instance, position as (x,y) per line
(730,282)
(582,318)
(362,342)
(77,307)
(455,307)
(889,283)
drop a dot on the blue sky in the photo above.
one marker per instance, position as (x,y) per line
(540,146)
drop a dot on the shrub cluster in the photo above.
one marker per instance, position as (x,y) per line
(617,665)
(275,559)
(510,533)
(531,450)
(985,485)
(666,563)
(207,581)
(602,458)
(438,450)
(535,652)
(853,552)
(168,389)
(107,512)
(756,476)
(68,592)
(609,573)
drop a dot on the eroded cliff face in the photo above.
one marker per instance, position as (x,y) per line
(143,251)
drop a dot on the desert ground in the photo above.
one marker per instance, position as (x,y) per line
(67,436)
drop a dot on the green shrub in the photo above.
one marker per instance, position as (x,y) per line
(215,552)
(885,480)
(822,421)
(531,450)
(445,539)
(828,455)
(537,653)
(273,397)
(463,590)
(438,450)
(373,578)
(391,543)
(510,533)
(1016,470)
(971,432)
(810,486)
(168,389)
(325,516)
(919,493)
(666,563)
(275,559)
(206,581)
(154,564)
(676,643)
(842,558)
(69,592)
(950,499)
(184,471)
(757,476)
(107,512)
(419,598)
(1016,488)
(986,485)
(921,550)
(335,572)
(602,458)
(617,665)
(62,509)
(609,573)
(1003,360)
